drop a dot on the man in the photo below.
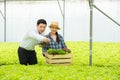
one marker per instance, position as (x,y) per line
(26,51)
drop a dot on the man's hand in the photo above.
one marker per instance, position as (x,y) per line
(47,40)
(42,44)
(45,55)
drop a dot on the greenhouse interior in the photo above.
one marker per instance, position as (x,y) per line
(60,39)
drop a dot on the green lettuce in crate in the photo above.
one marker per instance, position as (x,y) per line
(58,51)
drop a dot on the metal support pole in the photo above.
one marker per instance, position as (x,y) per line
(64,19)
(4,20)
(91,26)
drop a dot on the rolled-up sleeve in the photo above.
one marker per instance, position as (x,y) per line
(44,49)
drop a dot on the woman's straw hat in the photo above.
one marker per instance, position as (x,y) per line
(54,24)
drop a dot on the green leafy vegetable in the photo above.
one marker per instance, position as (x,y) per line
(58,51)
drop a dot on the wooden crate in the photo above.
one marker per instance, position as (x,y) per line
(59,59)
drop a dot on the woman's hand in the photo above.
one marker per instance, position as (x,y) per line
(67,50)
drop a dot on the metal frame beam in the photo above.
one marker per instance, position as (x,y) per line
(30,0)
(106,15)
(2,14)
(63,15)
(4,17)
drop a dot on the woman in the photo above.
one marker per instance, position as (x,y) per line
(56,40)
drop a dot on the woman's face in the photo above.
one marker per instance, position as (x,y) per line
(53,29)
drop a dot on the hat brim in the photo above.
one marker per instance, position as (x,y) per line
(56,27)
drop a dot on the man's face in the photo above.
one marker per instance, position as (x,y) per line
(41,27)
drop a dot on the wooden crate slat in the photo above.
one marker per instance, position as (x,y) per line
(59,56)
(58,60)
(60,64)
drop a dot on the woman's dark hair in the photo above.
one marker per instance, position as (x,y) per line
(58,39)
(41,21)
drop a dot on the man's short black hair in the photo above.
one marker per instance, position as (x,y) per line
(41,21)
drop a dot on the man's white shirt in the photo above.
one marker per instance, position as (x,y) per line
(31,39)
